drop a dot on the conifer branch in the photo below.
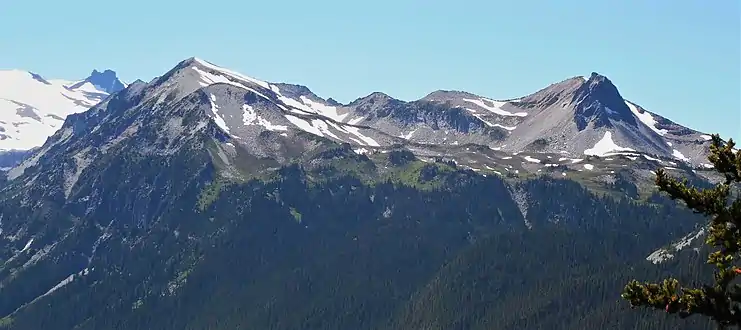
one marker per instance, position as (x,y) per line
(719,300)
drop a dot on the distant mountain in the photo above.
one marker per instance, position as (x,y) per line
(32,108)
(105,81)
(207,199)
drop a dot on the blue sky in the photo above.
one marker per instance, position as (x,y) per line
(678,58)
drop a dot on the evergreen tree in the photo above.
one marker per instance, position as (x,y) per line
(721,299)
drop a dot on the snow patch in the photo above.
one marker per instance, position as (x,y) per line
(250,117)
(688,239)
(66,281)
(408,135)
(496,108)
(27,246)
(207,79)
(589,166)
(646,118)
(88,88)
(296,106)
(355,121)
(605,146)
(323,109)
(232,74)
(531,159)
(679,155)
(304,125)
(659,256)
(322,126)
(509,128)
(217,118)
(663,254)
(365,139)
(651,158)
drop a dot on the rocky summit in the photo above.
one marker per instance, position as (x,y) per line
(207,199)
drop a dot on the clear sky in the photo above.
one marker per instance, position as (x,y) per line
(678,58)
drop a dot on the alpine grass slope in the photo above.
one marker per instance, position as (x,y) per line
(206,199)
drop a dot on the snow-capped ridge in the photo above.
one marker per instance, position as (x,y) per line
(239,117)
(576,116)
(33,107)
(228,72)
(241,106)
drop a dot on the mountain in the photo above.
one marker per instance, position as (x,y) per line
(32,108)
(576,117)
(265,119)
(207,199)
(105,81)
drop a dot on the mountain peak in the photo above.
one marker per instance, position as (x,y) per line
(106,73)
(599,101)
(375,97)
(443,95)
(601,81)
(228,74)
(190,61)
(106,81)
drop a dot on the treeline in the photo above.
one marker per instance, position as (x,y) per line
(342,254)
